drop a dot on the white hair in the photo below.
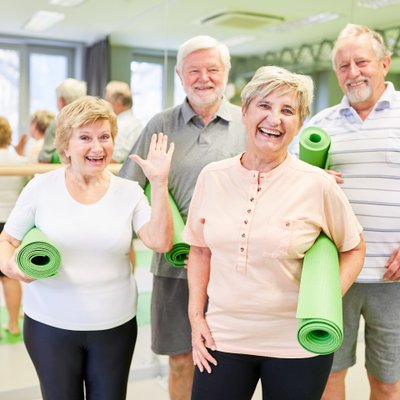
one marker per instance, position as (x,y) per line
(201,43)
(71,89)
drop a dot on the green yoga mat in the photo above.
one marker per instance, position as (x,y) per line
(178,254)
(37,257)
(314,146)
(319,308)
(55,158)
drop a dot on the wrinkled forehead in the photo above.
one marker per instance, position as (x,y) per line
(354,47)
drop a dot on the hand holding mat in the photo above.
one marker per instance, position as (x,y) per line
(37,257)
(319,307)
(314,146)
(178,254)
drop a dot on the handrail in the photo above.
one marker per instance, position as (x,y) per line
(39,168)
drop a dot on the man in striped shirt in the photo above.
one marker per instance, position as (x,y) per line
(365,160)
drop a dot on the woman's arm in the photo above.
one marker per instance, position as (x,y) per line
(198,278)
(157,234)
(8,266)
(350,265)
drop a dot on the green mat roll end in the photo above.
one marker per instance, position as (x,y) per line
(180,250)
(314,144)
(319,309)
(37,257)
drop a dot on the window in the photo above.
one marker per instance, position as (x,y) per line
(29,74)
(179,93)
(46,71)
(9,86)
(147,89)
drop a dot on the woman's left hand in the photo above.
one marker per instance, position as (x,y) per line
(156,166)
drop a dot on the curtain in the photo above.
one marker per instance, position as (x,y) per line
(97,67)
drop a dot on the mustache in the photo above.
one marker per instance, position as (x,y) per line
(358,80)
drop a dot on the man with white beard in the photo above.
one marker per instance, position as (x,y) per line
(365,160)
(204,128)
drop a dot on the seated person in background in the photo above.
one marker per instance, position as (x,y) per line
(10,188)
(80,325)
(129,127)
(66,92)
(40,120)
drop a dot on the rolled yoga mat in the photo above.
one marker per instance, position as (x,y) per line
(314,146)
(37,257)
(319,308)
(178,254)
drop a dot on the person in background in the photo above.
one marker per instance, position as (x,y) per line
(204,128)
(66,92)
(39,122)
(10,188)
(80,326)
(129,127)
(251,220)
(364,155)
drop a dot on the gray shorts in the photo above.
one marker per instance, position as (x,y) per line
(170,326)
(379,304)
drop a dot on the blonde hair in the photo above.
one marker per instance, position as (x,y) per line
(5,132)
(42,118)
(83,111)
(270,78)
(352,30)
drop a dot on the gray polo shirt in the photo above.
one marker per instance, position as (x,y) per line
(196,145)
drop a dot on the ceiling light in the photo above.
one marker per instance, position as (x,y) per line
(236,40)
(66,3)
(374,4)
(301,23)
(43,20)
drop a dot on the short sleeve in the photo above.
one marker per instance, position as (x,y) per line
(141,214)
(342,225)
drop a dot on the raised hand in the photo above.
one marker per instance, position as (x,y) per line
(156,166)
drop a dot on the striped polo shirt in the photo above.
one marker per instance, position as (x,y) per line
(368,155)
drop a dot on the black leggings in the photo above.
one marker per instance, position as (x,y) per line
(71,363)
(236,377)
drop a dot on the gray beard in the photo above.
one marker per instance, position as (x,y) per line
(359,95)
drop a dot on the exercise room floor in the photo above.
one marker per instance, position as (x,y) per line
(148,373)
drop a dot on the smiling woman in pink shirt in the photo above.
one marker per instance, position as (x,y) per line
(251,219)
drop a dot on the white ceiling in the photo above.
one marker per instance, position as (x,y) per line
(164,24)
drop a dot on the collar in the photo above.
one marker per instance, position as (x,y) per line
(223,112)
(387,99)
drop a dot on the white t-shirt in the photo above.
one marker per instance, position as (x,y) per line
(94,288)
(129,129)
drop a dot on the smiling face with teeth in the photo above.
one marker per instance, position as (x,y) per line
(360,73)
(271,124)
(90,147)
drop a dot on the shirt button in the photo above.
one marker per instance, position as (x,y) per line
(287,224)
(249,211)
(252,199)
(245,221)
(243,235)
(242,249)
(258,189)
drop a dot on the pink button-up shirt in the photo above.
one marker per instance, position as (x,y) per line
(258,227)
